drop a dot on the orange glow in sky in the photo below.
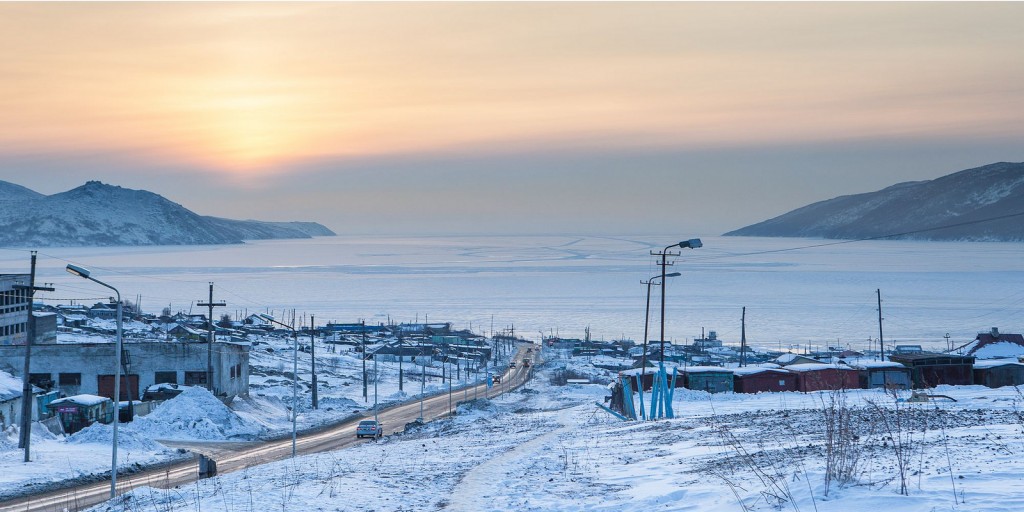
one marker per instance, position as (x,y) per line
(246,88)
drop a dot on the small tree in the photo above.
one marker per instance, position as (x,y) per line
(225,321)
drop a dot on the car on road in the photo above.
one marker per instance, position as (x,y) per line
(496,379)
(512,364)
(370,428)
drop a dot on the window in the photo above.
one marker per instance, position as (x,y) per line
(166,378)
(41,380)
(69,379)
(195,378)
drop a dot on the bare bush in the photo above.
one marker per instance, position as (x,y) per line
(842,443)
(896,422)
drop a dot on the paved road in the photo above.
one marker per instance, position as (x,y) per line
(244,455)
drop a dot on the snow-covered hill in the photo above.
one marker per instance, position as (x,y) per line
(96,214)
(915,210)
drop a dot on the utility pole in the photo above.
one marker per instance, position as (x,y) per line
(949,346)
(743,338)
(400,357)
(209,345)
(26,387)
(881,344)
(365,397)
(312,356)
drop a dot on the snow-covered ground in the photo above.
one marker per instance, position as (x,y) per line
(549,447)
(196,415)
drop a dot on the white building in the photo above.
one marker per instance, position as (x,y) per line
(76,368)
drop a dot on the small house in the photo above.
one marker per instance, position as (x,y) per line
(930,369)
(713,379)
(822,376)
(994,345)
(760,379)
(996,373)
(80,411)
(884,375)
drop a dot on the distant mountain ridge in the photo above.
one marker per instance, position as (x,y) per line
(97,214)
(965,199)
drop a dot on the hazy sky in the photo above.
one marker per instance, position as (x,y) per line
(684,118)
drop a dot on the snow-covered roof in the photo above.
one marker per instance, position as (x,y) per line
(10,386)
(81,400)
(992,363)
(870,365)
(811,367)
(166,386)
(998,349)
(751,370)
(705,369)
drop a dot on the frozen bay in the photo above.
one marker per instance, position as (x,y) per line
(796,291)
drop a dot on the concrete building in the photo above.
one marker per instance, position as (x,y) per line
(14,308)
(77,368)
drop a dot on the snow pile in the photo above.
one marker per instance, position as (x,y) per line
(195,414)
(128,440)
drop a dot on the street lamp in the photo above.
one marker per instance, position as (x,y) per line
(84,273)
(692,243)
(295,374)
(647,318)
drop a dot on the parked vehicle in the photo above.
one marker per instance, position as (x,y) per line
(526,363)
(512,364)
(370,428)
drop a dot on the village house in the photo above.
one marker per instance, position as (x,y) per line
(883,374)
(930,369)
(761,379)
(823,376)
(994,345)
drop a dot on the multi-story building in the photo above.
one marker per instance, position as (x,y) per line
(14,309)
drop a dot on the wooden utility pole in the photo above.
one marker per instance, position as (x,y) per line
(209,346)
(743,338)
(25,439)
(312,356)
(881,344)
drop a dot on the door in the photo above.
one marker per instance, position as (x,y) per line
(129,387)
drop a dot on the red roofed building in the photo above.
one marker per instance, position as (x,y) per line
(994,345)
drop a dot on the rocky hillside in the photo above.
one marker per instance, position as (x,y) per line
(953,207)
(96,214)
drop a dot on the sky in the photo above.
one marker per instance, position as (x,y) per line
(502,118)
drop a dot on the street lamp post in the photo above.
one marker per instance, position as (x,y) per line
(295,375)
(84,273)
(692,243)
(647,318)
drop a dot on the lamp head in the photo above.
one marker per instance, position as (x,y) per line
(78,271)
(673,274)
(692,243)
